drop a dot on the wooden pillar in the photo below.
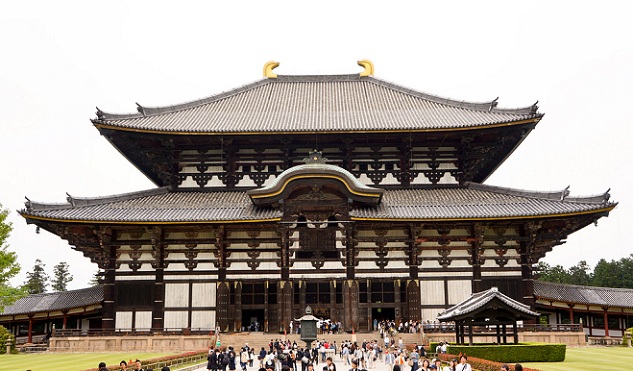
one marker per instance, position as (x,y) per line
(350,305)
(457,333)
(504,332)
(515,332)
(498,334)
(606,322)
(284,302)
(30,335)
(475,251)
(571,314)
(333,314)
(109,309)
(158,253)
(266,309)
(237,318)
(222,305)
(398,301)
(223,290)
(65,319)
(470,334)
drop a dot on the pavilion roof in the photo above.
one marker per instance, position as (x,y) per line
(480,301)
(55,301)
(589,295)
(472,201)
(323,103)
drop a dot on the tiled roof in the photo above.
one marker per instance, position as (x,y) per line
(470,202)
(574,294)
(481,299)
(55,301)
(317,103)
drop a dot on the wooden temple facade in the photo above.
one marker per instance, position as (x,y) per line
(358,197)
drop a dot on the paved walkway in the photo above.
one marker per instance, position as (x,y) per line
(340,366)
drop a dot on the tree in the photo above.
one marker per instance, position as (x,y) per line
(36,281)
(61,277)
(9,266)
(580,274)
(97,279)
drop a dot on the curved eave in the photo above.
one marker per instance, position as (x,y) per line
(101,125)
(93,307)
(604,210)
(371,197)
(29,217)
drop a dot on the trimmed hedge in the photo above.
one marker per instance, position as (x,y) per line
(479,364)
(522,352)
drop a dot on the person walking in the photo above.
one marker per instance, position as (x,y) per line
(464,366)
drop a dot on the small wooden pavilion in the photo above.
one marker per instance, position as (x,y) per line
(485,311)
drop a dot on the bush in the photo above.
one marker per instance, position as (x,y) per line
(522,352)
(482,364)
(4,336)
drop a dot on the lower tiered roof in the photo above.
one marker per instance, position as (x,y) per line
(469,202)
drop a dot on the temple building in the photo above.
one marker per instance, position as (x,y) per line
(361,198)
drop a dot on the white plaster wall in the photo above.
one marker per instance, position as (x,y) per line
(459,291)
(123,320)
(203,295)
(431,292)
(176,295)
(143,320)
(203,319)
(174,319)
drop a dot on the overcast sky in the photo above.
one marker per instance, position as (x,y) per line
(59,59)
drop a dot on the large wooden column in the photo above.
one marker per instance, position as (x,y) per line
(606,321)
(475,256)
(413,283)
(350,285)
(223,286)
(237,317)
(158,253)
(108,264)
(284,286)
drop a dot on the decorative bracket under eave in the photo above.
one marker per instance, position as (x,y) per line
(369,67)
(268,69)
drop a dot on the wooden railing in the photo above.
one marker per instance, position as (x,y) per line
(439,328)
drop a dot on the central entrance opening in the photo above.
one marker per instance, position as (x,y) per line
(383,314)
(253,319)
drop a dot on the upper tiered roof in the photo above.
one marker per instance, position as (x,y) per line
(322,103)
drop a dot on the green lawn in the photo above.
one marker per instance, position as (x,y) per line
(67,362)
(589,358)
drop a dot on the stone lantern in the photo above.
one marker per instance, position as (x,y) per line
(308,327)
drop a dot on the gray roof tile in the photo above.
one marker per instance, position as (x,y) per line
(600,296)
(317,103)
(161,205)
(479,300)
(55,301)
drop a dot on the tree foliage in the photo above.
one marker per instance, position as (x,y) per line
(9,266)
(614,273)
(36,281)
(61,277)
(97,279)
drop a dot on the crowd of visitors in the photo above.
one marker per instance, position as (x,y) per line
(137,366)
(368,355)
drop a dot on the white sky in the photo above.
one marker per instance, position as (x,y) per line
(60,59)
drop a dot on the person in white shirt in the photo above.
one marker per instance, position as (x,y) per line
(451,365)
(463,364)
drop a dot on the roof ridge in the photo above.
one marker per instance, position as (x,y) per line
(584,286)
(143,111)
(490,106)
(150,111)
(73,202)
